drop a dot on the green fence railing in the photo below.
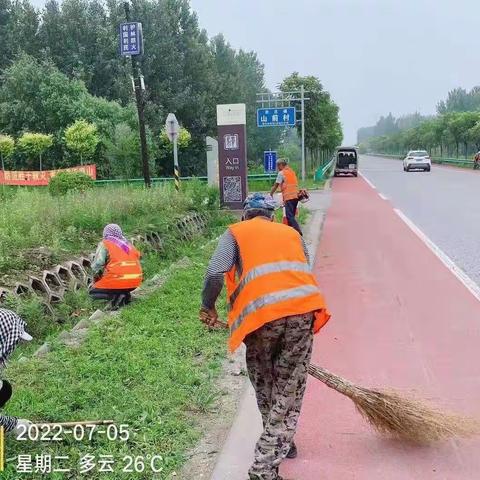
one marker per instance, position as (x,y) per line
(438,160)
(162,180)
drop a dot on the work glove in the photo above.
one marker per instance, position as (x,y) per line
(209,317)
(22,427)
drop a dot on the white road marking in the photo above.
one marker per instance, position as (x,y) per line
(367,180)
(382,196)
(443,257)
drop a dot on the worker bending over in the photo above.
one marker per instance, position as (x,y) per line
(116,268)
(288,183)
(12,331)
(275,306)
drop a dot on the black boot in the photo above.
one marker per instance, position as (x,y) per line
(292,453)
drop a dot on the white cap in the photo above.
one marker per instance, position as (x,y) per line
(26,336)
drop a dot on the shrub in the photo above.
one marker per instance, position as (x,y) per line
(65,182)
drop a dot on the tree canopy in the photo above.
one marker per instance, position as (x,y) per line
(61,64)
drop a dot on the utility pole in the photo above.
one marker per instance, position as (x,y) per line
(139,86)
(302,94)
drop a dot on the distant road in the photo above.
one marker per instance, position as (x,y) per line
(444,204)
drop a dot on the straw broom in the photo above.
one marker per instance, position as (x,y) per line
(392,413)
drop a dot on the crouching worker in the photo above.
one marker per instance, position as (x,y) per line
(275,307)
(116,268)
(12,331)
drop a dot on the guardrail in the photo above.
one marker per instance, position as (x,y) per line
(438,160)
(322,171)
(160,180)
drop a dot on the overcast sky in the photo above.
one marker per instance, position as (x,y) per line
(374,56)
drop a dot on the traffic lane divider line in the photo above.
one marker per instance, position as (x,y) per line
(471,286)
(367,180)
(382,196)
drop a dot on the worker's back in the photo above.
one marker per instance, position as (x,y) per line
(275,280)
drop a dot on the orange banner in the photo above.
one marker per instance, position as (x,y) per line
(41,178)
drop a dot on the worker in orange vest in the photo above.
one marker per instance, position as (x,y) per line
(288,183)
(116,268)
(275,307)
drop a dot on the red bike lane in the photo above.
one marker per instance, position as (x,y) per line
(400,319)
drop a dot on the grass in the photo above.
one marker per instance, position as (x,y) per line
(152,367)
(74,224)
(69,225)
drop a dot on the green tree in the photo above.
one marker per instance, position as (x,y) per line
(323,130)
(7,147)
(122,151)
(82,138)
(474,135)
(184,139)
(35,144)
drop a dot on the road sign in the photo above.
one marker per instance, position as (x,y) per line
(270,161)
(131,39)
(276,117)
(172,127)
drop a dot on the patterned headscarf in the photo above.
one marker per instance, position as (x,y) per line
(12,330)
(113,233)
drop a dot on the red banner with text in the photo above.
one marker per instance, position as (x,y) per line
(20,177)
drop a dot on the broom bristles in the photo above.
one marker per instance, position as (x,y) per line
(395,414)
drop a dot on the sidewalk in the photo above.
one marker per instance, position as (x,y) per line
(237,454)
(400,319)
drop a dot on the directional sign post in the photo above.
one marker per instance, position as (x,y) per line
(276,117)
(131,45)
(173,129)
(270,161)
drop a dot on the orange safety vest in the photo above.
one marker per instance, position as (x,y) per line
(123,270)
(275,282)
(289,185)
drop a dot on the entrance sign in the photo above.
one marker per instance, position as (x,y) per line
(131,39)
(232,154)
(276,117)
(270,161)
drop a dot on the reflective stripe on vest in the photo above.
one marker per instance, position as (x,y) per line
(290,184)
(276,280)
(123,270)
(270,299)
(265,269)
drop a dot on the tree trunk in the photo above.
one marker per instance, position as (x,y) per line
(40,162)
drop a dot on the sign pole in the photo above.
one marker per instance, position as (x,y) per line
(140,109)
(302,93)
(176,168)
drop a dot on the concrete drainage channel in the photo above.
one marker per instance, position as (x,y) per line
(52,285)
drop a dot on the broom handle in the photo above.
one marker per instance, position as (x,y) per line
(328,378)
(74,424)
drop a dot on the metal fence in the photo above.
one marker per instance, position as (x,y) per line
(463,162)
(163,180)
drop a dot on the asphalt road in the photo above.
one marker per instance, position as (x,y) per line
(400,319)
(444,204)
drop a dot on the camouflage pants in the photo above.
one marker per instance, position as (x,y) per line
(278,355)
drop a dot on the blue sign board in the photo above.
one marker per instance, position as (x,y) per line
(131,38)
(270,161)
(276,117)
